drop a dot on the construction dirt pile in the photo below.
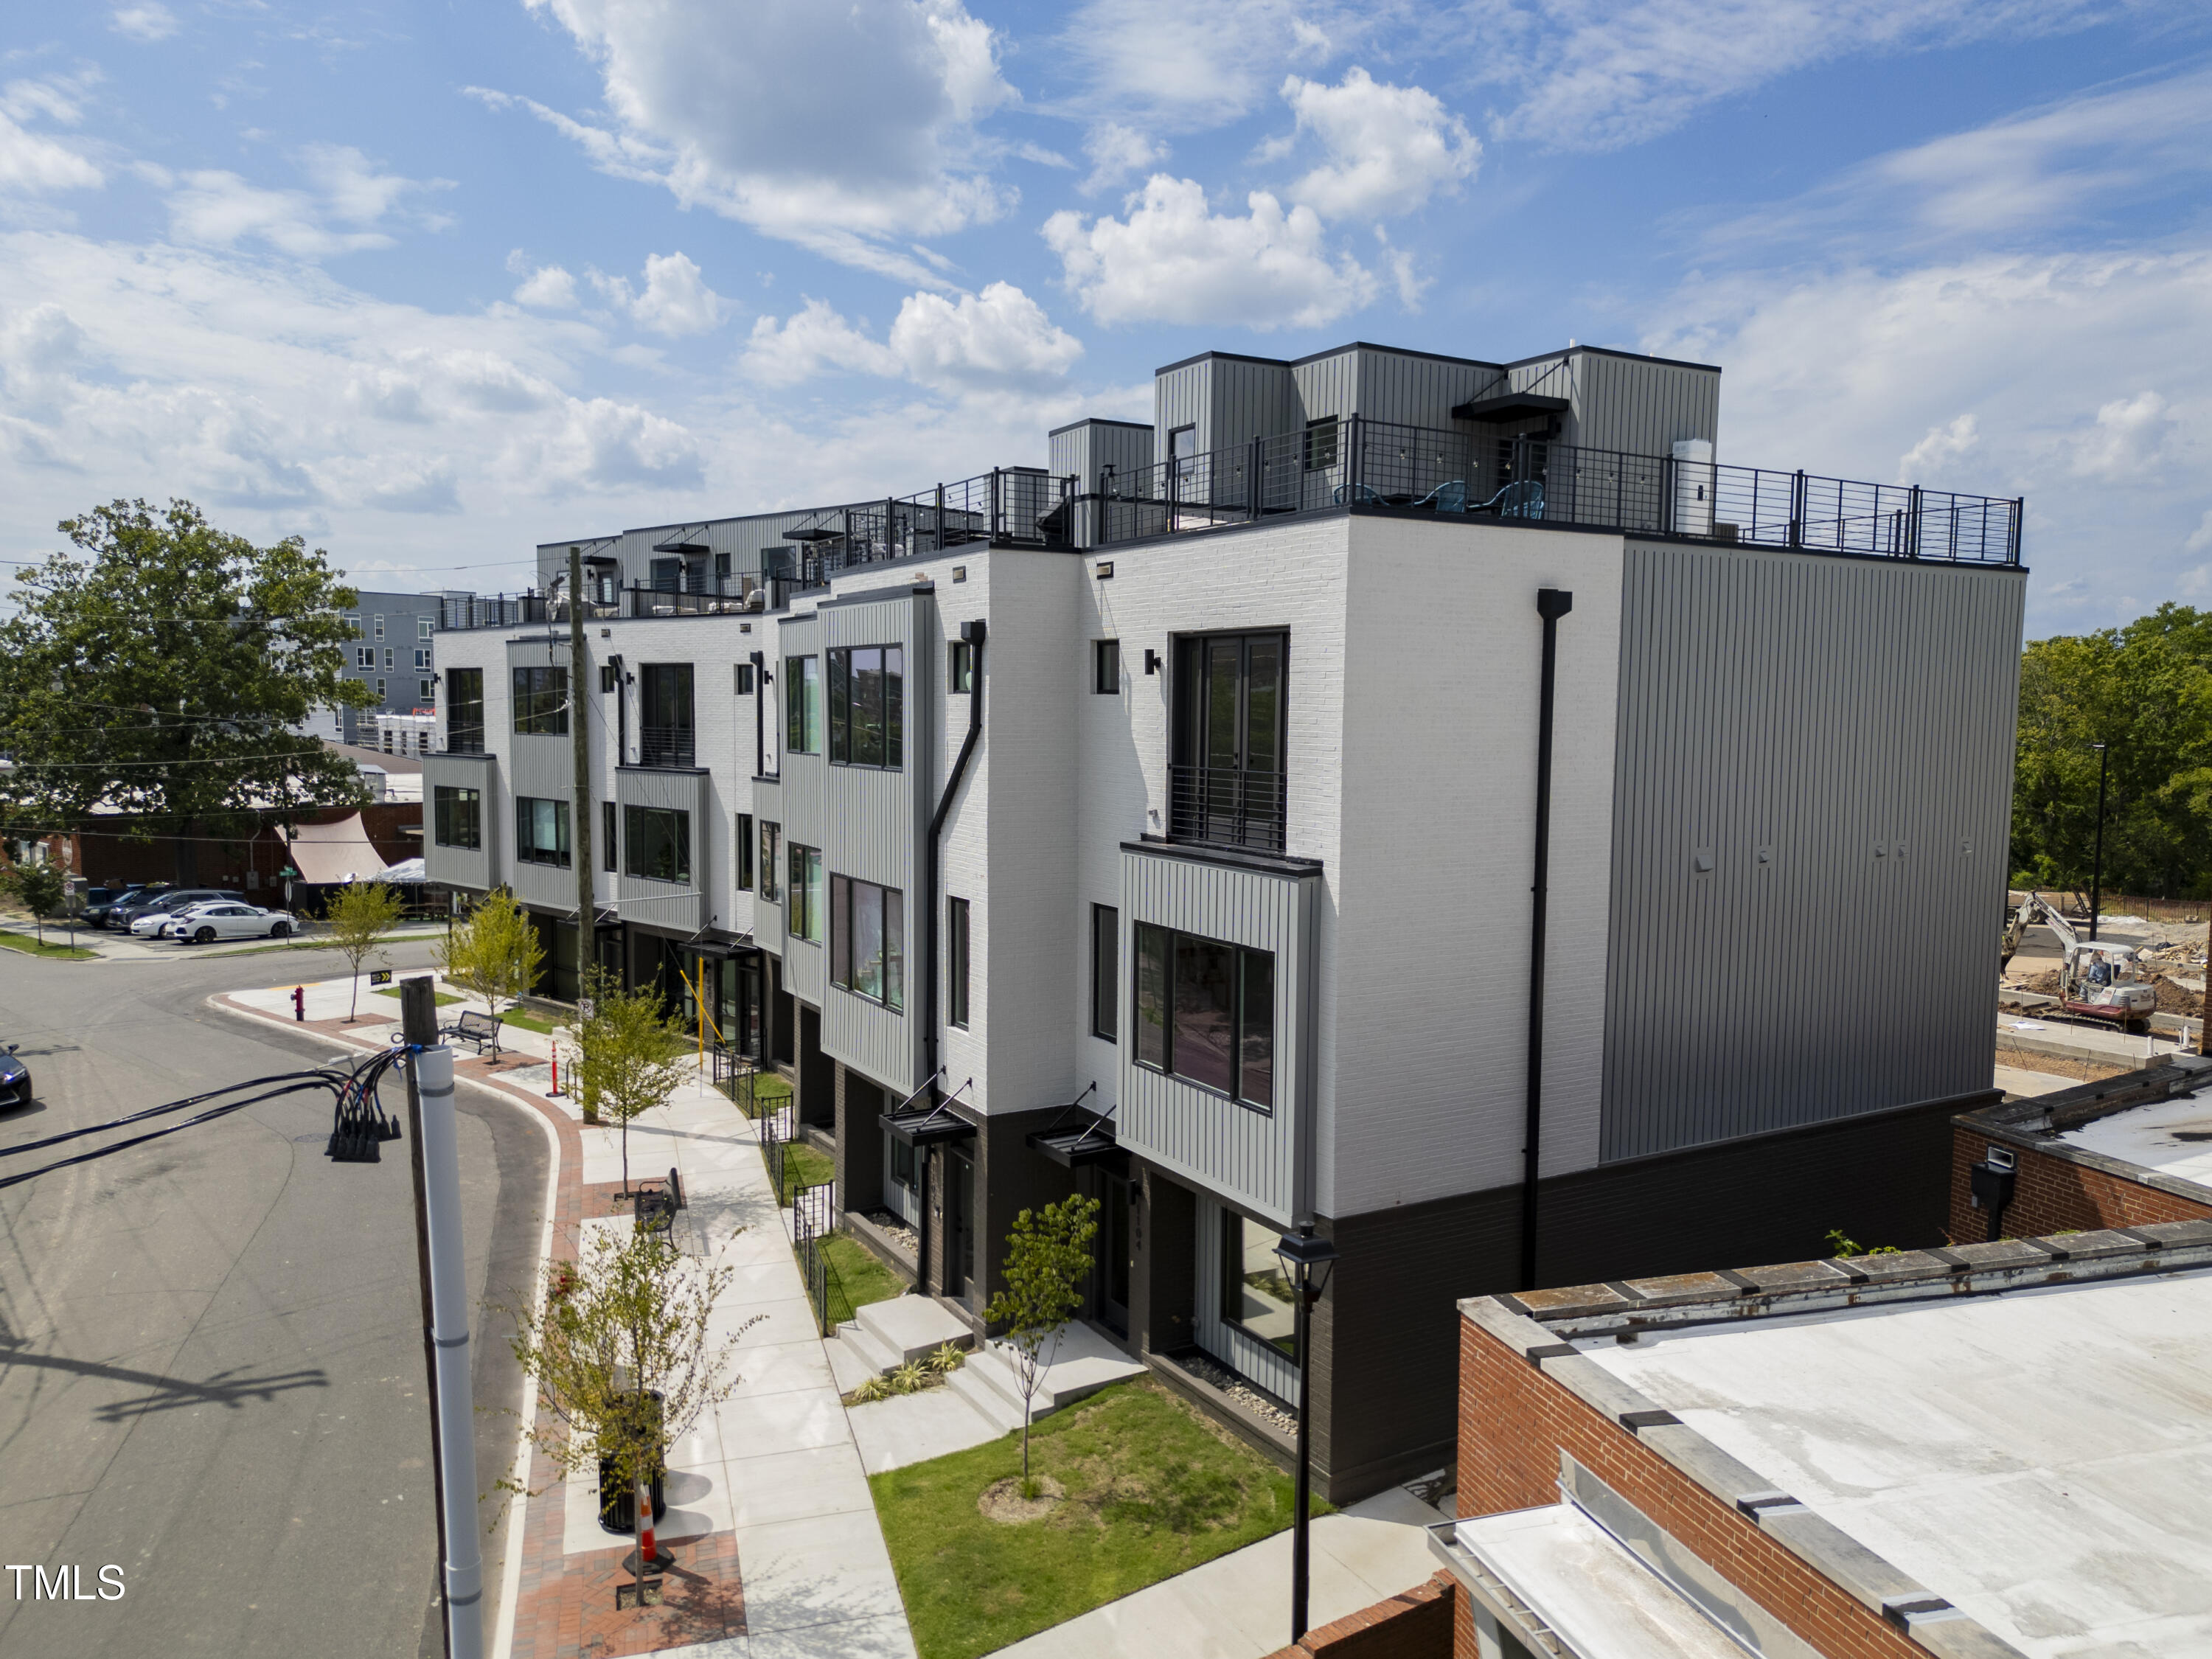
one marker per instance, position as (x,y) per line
(2173,999)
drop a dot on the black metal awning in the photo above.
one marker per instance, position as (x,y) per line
(1079,1145)
(1510,406)
(688,550)
(927,1126)
(817,534)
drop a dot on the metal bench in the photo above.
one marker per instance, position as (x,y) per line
(656,1202)
(482,1030)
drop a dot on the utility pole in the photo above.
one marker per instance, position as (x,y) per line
(580,793)
(443,1268)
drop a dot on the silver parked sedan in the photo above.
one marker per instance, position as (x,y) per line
(203,924)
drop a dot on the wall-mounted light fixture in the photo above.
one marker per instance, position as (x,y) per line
(1152,661)
(1105,569)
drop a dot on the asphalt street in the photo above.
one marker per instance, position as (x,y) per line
(211,1370)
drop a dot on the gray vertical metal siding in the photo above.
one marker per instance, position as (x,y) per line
(767,919)
(874,822)
(1328,385)
(672,906)
(1251,400)
(1420,391)
(1248,1155)
(459,866)
(1181,398)
(806,809)
(1265,1365)
(1642,406)
(541,767)
(1856,717)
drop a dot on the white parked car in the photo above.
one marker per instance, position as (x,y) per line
(203,924)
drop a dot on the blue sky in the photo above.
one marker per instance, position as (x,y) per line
(429,283)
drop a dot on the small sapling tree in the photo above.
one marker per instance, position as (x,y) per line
(495,953)
(41,889)
(360,915)
(629,1058)
(619,1353)
(1048,1258)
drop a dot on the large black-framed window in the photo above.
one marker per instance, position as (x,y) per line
(771,861)
(609,826)
(867,940)
(741,849)
(1206,1012)
(959,667)
(664,738)
(657,842)
(541,831)
(1105,972)
(457,817)
(465,715)
(541,702)
(868,706)
(955,961)
(806,919)
(802,705)
(1255,1297)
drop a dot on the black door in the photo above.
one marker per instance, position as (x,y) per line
(1227,784)
(960,1226)
(1114,1252)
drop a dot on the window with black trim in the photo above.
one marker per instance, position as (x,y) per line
(955,961)
(1105,972)
(541,831)
(657,842)
(741,682)
(1255,1297)
(867,940)
(802,705)
(1206,1012)
(1321,443)
(959,667)
(806,919)
(741,845)
(771,861)
(1106,667)
(457,817)
(541,702)
(608,829)
(868,706)
(465,714)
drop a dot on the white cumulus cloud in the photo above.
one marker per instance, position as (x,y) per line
(549,288)
(148,22)
(1118,154)
(33,162)
(1389,148)
(344,211)
(674,300)
(998,340)
(1173,259)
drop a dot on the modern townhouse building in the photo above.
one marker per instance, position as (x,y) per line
(1173,822)
(393,655)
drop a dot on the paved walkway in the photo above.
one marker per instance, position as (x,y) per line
(769,1509)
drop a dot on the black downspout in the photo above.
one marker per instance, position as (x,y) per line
(621,713)
(972,632)
(1551,603)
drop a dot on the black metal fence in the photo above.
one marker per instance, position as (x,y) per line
(666,746)
(1228,806)
(1530,479)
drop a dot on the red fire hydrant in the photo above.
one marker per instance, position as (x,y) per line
(299,1002)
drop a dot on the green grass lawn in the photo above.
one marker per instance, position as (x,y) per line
(803,1167)
(770,1093)
(29,945)
(857,1277)
(393,991)
(1152,1490)
(537,1022)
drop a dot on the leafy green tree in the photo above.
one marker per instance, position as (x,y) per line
(1048,1258)
(629,1056)
(495,953)
(41,889)
(360,915)
(158,672)
(619,1351)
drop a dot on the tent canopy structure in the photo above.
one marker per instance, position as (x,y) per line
(328,853)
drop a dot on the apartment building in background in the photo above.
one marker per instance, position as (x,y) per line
(393,655)
(1161,824)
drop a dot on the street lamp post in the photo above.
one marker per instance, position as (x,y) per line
(2097,862)
(1307,1263)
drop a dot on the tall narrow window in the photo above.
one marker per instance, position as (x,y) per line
(806,920)
(741,845)
(1321,443)
(771,861)
(607,830)
(959,667)
(1255,1295)
(1105,971)
(955,961)
(868,706)
(1106,667)
(802,705)
(1150,995)
(665,738)
(465,714)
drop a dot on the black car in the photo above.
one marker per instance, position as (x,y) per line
(174,898)
(15,1079)
(99,913)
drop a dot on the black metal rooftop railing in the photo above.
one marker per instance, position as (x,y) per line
(1360,462)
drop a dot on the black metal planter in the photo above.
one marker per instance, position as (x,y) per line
(618,1504)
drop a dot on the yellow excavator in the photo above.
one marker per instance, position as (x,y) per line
(2098,979)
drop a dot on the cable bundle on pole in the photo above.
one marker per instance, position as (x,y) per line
(360,1125)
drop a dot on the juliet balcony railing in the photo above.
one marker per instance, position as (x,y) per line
(666,746)
(1227,806)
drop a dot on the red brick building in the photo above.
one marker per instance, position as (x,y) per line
(114,853)
(1948,1452)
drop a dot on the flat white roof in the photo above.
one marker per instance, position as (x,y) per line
(2040,1457)
(2173,1137)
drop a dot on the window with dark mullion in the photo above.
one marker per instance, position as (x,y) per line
(868,706)
(1206,1012)
(609,824)
(741,847)
(867,940)
(1105,971)
(955,961)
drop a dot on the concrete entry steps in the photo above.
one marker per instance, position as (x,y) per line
(885,1335)
(1083,1363)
